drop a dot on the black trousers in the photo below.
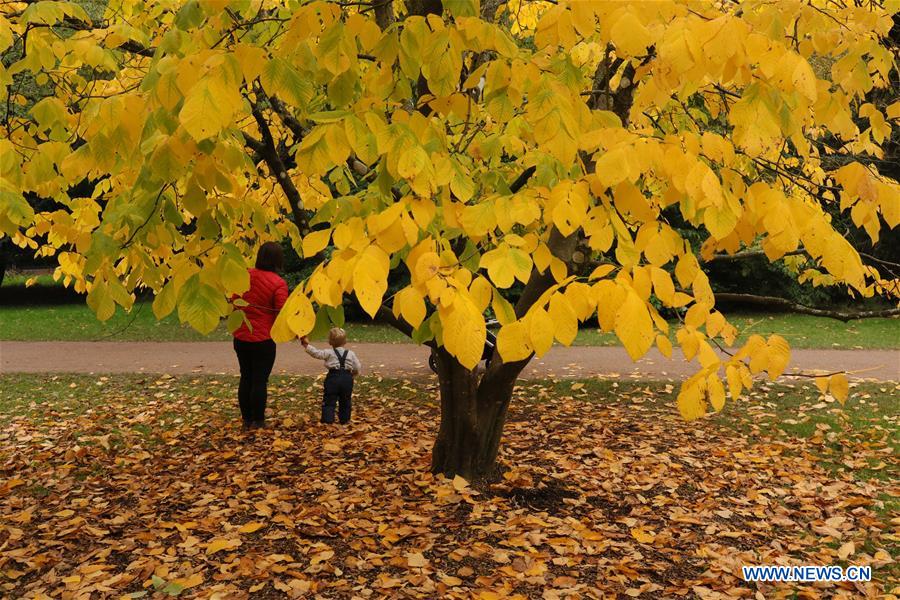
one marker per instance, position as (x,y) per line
(338,389)
(256,360)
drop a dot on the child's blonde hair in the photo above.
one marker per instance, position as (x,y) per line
(337,337)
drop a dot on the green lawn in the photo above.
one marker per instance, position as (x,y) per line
(21,280)
(75,322)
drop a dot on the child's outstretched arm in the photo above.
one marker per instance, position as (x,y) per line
(312,351)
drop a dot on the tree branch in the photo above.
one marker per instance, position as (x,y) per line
(289,120)
(130,46)
(384,13)
(747,254)
(788,305)
(267,149)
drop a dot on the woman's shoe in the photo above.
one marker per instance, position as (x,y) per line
(258,425)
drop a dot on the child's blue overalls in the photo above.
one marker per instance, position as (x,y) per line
(338,388)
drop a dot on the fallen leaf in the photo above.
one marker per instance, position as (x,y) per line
(459,484)
(219,544)
(251,527)
(415,559)
(846,550)
(642,535)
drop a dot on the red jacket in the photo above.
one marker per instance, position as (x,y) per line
(265,298)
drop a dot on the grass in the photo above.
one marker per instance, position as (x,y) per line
(76,322)
(21,280)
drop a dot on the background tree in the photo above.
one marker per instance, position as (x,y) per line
(560,146)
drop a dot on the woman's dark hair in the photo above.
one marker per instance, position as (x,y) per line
(270,257)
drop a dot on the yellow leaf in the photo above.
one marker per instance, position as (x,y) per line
(634,326)
(804,80)
(839,387)
(720,221)
(716,392)
(778,357)
(464,331)
(315,241)
(690,402)
(189,582)
(602,271)
(613,167)
(630,35)
(410,304)
(608,298)
(209,107)
(411,162)
(164,302)
(664,345)
(642,535)
(564,319)
(503,310)
(251,527)
(426,267)
(514,342)
(325,291)
(235,277)
(846,550)
(540,330)
(252,60)
(715,323)
(662,285)
(733,375)
(459,483)
(481,291)
(370,278)
(219,544)
(296,318)
(415,559)
(478,219)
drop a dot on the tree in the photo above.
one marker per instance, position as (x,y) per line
(474,145)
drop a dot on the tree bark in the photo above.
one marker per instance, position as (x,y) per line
(474,407)
(473,413)
(2,259)
(384,13)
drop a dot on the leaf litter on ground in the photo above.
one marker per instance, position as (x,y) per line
(130,486)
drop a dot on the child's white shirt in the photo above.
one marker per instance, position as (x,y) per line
(351,363)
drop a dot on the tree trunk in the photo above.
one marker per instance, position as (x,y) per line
(473,412)
(473,407)
(2,259)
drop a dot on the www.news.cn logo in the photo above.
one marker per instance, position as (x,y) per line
(806,573)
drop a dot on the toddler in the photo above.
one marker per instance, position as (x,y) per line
(342,366)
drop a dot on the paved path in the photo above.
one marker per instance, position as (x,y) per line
(393,360)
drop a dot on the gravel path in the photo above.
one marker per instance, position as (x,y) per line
(394,360)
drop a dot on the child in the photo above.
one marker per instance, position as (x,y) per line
(342,366)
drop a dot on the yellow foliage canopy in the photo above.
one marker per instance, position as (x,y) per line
(205,128)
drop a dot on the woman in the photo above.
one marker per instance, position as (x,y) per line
(254,345)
